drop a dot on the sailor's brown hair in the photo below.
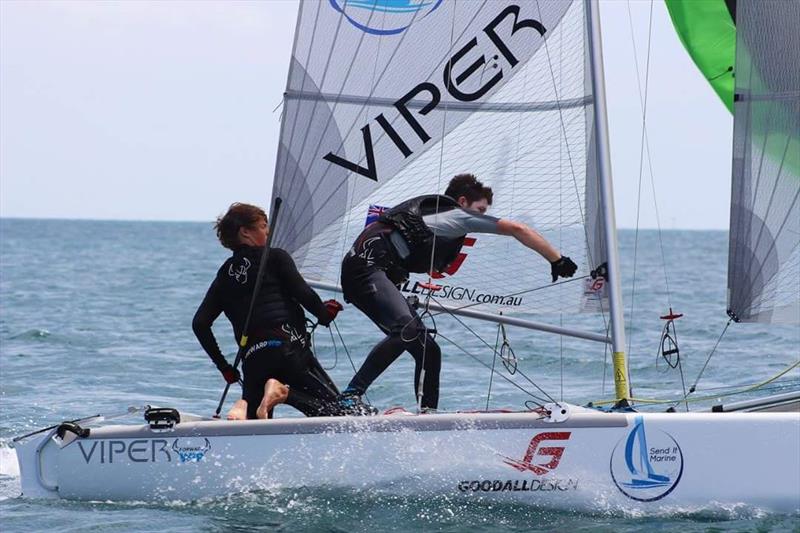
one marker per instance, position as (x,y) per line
(239,215)
(468,186)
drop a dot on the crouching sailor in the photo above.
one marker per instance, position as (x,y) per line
(278,363)
(422,234)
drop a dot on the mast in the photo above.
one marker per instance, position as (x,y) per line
(621,382)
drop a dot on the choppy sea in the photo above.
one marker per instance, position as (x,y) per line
(95,317)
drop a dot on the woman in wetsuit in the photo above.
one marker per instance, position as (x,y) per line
(278,363)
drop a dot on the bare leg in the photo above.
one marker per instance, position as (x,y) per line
(238,411)
(275,392)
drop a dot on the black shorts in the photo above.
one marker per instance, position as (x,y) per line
(311,391)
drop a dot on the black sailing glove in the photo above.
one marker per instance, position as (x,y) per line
(231,375)
(564,267)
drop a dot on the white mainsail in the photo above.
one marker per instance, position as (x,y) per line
(764,259)
(384,103)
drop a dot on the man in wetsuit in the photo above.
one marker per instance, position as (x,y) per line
(278,363)
(411,237)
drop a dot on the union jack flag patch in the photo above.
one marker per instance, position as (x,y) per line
(374,212)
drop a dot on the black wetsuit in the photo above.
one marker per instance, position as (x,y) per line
(278,346)
(381,257)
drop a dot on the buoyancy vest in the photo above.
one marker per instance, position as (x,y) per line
(407,219)
(273,306)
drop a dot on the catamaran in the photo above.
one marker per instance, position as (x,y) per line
(387,99)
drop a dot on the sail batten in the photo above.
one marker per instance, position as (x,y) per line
(511,107)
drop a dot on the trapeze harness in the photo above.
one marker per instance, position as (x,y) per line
(381,258)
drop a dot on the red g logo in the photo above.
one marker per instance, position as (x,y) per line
(554,453)
(453,267)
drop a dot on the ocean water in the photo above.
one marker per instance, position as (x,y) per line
(95,317)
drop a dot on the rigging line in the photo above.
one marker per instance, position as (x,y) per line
(521,373)
(746,389)
(569,157)
(605,363)
(658,218)
(566,141)
(713,350)
(541,402)
(560,227)
(494,360)
(341,339)
(561,352)
(372,90)
(427,311)
(778,386)
(511,295)
(335,351)
(643,102)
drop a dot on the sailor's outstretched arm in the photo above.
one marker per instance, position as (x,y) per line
(529,237)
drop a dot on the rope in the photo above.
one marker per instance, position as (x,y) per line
(713,350)
(746,389)
(335,351)
(646,140)
(529,380)
(540,402)
(571,164)
(494,360)
(669,346)
(641,158)
(420,385)
(348,353)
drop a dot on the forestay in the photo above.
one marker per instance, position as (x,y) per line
(388,99)
(764,260)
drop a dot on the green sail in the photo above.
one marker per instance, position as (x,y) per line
(708,31)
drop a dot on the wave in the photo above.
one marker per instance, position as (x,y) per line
(32,334)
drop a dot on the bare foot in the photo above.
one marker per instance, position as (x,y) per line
(238,411)
(275,392)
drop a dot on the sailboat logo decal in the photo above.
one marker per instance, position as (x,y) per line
(646,467)
(384,17)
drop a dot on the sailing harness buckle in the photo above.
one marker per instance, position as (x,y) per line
(162,419)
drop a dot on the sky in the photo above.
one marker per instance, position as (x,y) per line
(140,110)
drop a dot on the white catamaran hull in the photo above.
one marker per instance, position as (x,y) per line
(590,461)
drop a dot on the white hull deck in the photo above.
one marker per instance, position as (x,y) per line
(589,461)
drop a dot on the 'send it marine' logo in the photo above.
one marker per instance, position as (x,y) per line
(551,454)
(646,467)
(384,17)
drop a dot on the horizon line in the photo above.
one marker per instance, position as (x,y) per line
(211,221)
